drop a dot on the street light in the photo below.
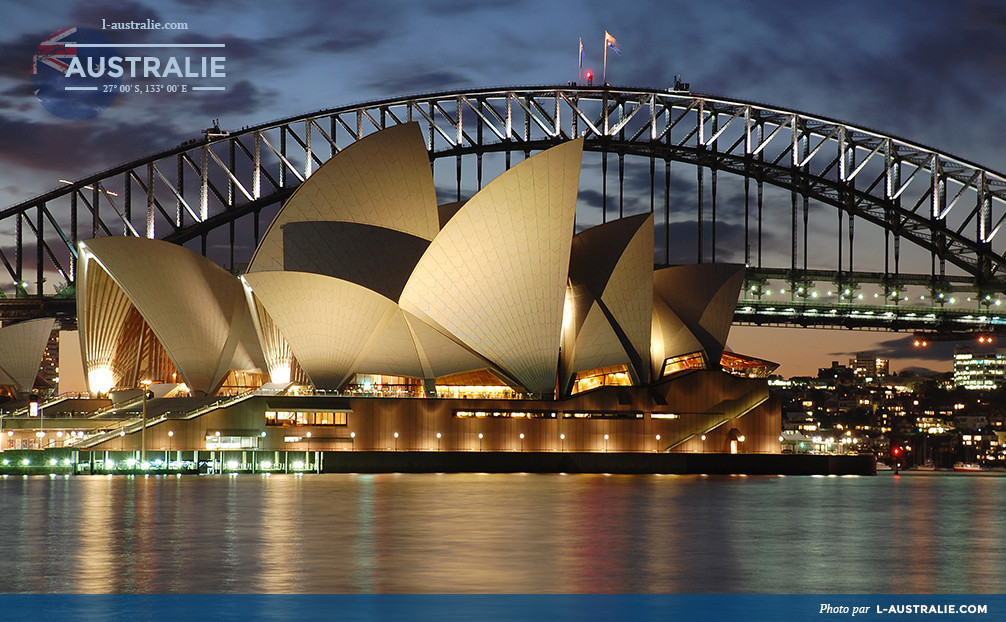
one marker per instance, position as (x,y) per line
(703,443)
(658,444)
(396,441)
(143,430)
(562,442)
(522,441)
(35,409)
(605,442)
(352,439)
(438,441)
(480,441)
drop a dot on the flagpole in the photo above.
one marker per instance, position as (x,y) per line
(604,71)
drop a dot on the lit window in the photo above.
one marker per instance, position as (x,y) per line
(673,365)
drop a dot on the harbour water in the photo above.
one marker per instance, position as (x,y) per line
(502,533)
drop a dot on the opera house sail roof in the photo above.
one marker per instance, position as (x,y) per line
(361,272)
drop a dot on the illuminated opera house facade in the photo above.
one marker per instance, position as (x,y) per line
(372,318)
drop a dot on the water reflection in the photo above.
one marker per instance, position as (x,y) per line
(502,533)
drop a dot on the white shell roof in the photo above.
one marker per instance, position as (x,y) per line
(383,179)
(22,347)
(196,309)
(495,276)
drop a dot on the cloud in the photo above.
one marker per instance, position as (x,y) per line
(404,81)
(15,56)
(589,198)
(903,347)
(242,97)
(79,148)
(352,41)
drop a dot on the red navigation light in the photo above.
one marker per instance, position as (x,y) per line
(589,75)
(896,451)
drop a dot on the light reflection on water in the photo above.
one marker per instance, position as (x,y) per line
(447,533)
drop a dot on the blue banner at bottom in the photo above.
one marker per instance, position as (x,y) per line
(551,608)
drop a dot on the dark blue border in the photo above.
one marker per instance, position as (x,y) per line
(444,608)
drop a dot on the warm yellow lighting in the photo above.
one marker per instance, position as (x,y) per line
(100,380)
(280,373)
(567,311)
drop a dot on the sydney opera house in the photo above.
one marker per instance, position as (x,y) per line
(370,318)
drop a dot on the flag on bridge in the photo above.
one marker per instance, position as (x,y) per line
(579,75)
(609,42)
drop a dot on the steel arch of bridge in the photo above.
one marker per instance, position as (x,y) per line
(952,208)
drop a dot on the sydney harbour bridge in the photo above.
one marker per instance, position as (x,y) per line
(840,226)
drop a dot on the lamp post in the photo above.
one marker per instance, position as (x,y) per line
(171,434)
(35,410)
(703,443)
(522,441)
(657,450)
(562,442)
(605,442)
(352,440)
(143,429)
(480,441)
(438,441)
(396,441)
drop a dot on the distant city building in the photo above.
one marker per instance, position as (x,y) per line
(48,370)
(836,373)
(978,370)
(869,365)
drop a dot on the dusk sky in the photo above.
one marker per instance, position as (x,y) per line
(932,73)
